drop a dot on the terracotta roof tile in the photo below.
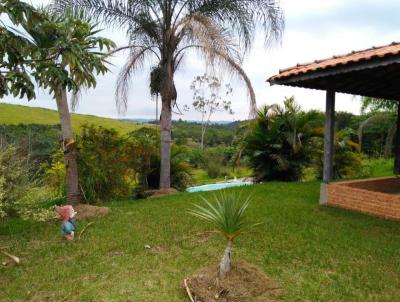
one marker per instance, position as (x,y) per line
(352,57)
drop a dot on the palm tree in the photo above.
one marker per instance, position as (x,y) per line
(68,57)
(229,217)
(382,111)
(277,142)
(163,32)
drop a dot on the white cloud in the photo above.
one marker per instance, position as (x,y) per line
(315,29)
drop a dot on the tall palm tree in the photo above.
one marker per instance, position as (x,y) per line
(68,58)
(163,32)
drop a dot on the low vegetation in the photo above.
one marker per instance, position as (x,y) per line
(313,253)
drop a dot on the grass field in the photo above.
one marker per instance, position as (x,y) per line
(315,253)
(16,114)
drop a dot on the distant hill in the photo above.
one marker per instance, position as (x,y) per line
(17,114)
(151,121)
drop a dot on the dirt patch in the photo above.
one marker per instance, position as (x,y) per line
(88,211)
(244,283)
(163,192)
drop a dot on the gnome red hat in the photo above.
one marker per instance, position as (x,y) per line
(65,212)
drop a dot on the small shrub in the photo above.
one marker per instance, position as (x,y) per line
(214,170)
(181,180)
(14,180)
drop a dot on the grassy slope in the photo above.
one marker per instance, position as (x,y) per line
(16,114)
(316,254)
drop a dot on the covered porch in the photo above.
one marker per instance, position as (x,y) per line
(374,72)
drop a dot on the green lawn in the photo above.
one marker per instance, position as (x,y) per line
(16,114)
(316,254)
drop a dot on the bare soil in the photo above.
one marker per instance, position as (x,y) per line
(163,192)
(244,283)
(88,211)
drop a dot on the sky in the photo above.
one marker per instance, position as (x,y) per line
(315,29)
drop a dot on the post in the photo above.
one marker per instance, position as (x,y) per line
(329,143)
(396,169)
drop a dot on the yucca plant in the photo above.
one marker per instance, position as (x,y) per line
(228,215)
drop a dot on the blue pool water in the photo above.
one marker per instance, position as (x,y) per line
(219,186)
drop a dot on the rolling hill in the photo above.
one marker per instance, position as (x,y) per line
(17,114)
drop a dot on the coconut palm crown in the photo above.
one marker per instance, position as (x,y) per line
(163,32)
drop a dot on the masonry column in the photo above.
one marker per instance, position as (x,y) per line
(396,169)
(329,136)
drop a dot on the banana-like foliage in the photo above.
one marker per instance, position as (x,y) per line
(70,52)
(16,49)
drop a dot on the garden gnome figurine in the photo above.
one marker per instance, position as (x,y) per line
(67,215)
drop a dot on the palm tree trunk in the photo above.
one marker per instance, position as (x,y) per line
(165,125)
(397,144)
(71,167)
(226,261)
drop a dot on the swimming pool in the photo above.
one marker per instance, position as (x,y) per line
(218,186)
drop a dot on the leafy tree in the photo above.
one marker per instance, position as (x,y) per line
(228,215)
(207,100)
(277,142)
(163,32)
(17,49)
(67,59)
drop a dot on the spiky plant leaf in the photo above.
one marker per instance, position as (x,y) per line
(227,214)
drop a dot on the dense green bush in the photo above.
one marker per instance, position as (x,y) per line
(216,161)
(347,161)
(214,169)
(278,140)
(20,194)
(14,180)
(104,167)
(36,143)
(180,169)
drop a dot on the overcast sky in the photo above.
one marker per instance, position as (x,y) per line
(315,29)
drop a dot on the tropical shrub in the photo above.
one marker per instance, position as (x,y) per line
(277,141)
(347,160)
(14,180)
(196,158)
(180,169)
(35,142)
(143,146)
(104,165)
(54,173)
(20,194)
(228,216)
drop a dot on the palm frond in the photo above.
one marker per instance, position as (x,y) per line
(227,214)
(135,61)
